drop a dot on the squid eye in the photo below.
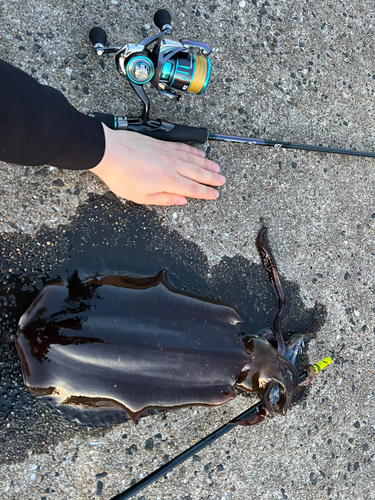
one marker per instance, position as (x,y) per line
(274,394)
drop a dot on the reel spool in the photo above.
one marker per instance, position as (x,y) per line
(187,72)
(169,64)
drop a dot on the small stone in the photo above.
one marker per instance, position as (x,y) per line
(99,488)
(149,444)
(42,172)
(102,474)
(133,448)
(110,196)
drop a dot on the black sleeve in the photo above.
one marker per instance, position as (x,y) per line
(38,126)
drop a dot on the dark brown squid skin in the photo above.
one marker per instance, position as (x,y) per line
(115,346)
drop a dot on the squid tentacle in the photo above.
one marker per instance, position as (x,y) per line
(269,265)
(297,342)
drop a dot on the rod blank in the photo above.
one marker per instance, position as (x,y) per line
(289,145)
(164,469)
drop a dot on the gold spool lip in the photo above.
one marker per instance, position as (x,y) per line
(199,76)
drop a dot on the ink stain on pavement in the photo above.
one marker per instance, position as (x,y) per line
(107,238)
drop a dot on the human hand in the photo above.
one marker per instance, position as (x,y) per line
(152,172)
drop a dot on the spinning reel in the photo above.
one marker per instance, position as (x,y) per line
(168,64)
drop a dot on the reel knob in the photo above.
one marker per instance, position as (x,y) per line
(98,38)
(162,19)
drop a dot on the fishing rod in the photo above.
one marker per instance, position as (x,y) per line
(164,469)
(173,66)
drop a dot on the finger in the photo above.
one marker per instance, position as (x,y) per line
(203,163)
(179,146)
(201,175)
(191,189)
(166,199)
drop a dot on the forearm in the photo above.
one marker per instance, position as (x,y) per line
(38,125)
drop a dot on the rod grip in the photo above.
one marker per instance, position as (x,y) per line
(175,132)
(179,133)
(107,119)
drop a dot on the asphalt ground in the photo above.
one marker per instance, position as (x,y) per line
(293,71)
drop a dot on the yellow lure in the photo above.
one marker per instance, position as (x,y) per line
(322,364)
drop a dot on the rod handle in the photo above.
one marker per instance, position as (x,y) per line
(179,133)
(107,119)
(173,132)
(161,18)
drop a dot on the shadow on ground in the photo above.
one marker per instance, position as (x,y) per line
(108,236)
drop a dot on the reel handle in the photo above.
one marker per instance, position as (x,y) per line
(98,36)
(161,18)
